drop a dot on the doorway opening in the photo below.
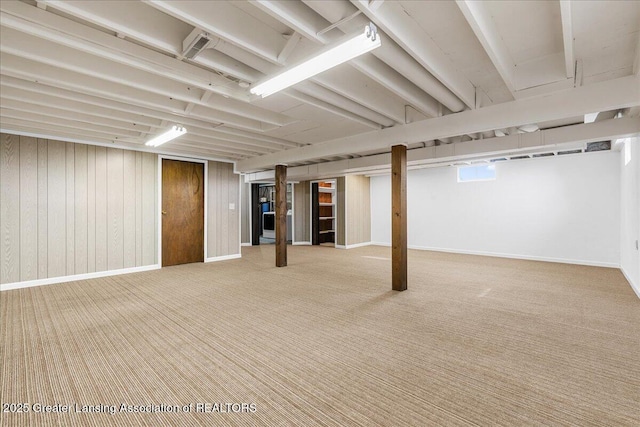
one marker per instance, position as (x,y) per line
(323,213)
(263,216)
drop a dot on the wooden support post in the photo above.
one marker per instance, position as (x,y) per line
(281,216)
(399,217)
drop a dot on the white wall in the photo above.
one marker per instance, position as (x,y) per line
(564,208)
(630,212)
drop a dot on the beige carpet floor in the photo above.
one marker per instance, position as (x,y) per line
(324,342)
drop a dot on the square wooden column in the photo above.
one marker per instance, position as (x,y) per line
(399,217)
(281,216)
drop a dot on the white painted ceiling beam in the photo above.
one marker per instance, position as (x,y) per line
(43,99)
(194,141)
(305,21)
(229,23)
(348,81)
(30,90)
(547,140)
(636,62)
(217,60)
(567,37)
(309,23)
(228,105)
(299,17)
(389,64)
(308,99)
(27,107)
(85,82)
(137,21)
(106,131)
(609,95)
(30,20)
(481,22)
(117,132)
(394,21)
(324,94)
(31,47)
(386,76)
(82,137)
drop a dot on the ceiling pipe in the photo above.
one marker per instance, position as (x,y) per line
(390,53)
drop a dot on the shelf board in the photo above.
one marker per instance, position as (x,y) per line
(326,190)
(327,231)
(327,217)
(326,204)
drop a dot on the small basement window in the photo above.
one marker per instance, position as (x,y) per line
(477,173)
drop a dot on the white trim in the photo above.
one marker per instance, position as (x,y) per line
(510,256)
(206,199)
(239,210)
(223,258)
(245,244)
(346,214)
(76,277)
(301,243)
(250,212)
(634,286)
(293,214)
(359,245)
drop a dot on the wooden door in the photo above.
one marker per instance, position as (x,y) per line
(182,212)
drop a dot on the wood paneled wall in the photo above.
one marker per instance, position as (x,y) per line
(358,213)
(70,208)
(223,222)
(302,211)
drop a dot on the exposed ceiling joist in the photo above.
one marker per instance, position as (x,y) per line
(609,95)
(220,19)
(396,23)
(480,21)
(307,22)
(20,16)
(567,37)
(309,99)
(74,101)
(551,139)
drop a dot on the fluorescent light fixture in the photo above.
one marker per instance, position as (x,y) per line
(332,55)
(172,133)
(590,118)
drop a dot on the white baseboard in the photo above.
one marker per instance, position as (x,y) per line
(358,245)
(75,277)
(246,244)
(511,256)
(223,258)
(340,246)
(301,243)
(634,286)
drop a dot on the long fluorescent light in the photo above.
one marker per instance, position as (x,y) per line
(329,57)
(172,133)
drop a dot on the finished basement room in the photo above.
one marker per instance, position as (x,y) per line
(320,213)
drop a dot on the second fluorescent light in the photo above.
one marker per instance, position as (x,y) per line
(172,133)
(332,55)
